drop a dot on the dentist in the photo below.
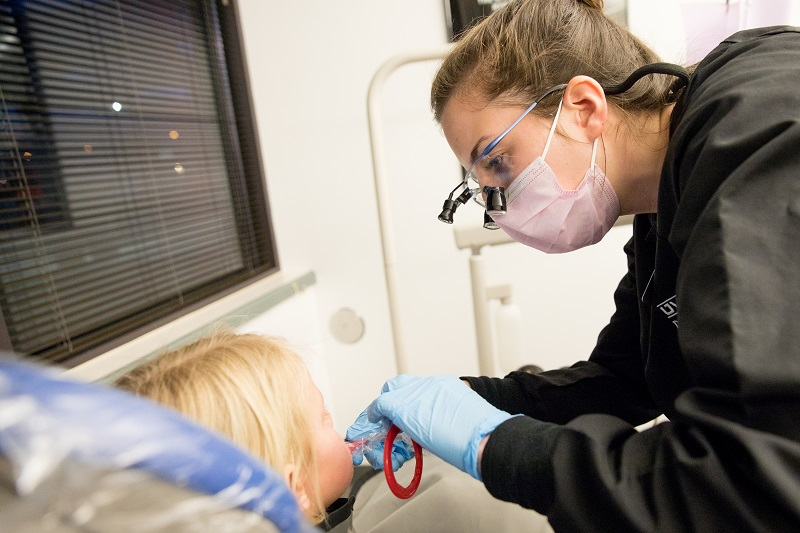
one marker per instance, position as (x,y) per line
(564,121)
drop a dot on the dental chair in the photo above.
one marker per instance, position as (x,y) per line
(78,456)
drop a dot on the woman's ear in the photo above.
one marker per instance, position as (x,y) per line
(586,101)
(298,488)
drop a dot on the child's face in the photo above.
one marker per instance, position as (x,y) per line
(335,464)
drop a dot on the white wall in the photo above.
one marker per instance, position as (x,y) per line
(684,31)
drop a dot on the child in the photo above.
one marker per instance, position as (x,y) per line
(259,393)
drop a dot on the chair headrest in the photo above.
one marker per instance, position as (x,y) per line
(47,420)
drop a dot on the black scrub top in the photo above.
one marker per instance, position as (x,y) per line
(706,331)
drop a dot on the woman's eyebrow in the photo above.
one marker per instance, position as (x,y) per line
(473,155)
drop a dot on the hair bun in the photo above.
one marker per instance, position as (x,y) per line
(596,4)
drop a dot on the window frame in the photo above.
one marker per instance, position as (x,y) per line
(230,46)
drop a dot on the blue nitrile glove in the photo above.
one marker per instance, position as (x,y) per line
(373,451)
(442,414)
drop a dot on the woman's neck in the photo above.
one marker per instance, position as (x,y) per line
(635,155)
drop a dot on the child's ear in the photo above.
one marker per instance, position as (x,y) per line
(298,489)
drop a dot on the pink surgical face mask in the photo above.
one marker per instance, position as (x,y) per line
(544,216)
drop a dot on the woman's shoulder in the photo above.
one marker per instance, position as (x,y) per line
(737,112)
(740,90)
(746,63)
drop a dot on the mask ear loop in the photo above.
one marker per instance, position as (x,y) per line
(552,130)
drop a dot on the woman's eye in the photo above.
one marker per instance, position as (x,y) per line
(493,169)
(498,166)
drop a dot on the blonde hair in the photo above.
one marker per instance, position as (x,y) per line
(528,46)
(251,388)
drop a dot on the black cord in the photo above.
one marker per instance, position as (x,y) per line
(669,69)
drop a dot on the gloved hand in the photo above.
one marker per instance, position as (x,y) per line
(361,429)
(442,414)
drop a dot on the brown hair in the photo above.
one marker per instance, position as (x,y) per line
(515,54)
(251,388)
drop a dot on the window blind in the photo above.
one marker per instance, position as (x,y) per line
(129,186)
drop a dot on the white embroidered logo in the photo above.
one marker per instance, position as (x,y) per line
(670,309)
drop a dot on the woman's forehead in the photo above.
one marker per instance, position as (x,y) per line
(469,127)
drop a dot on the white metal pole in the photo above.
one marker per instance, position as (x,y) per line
(382,192)
(483,322)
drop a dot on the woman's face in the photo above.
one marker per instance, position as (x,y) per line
(334,462)
(470,127)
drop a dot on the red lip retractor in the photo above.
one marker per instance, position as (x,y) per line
(397,489)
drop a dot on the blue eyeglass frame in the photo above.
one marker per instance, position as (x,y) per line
(609,90)
(500,137)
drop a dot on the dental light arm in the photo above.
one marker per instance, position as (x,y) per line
(381,188)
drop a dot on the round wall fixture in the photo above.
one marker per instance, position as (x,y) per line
(347,326)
